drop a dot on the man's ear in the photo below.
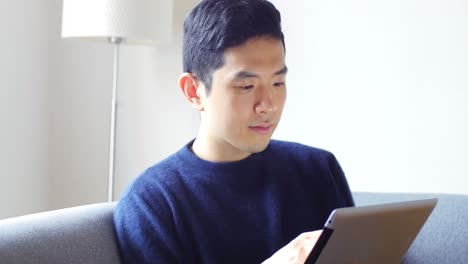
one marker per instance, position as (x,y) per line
(191,87)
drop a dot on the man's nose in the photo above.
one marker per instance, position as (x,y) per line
(265,103)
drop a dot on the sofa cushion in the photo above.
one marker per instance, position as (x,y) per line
(83,234)
(444,237)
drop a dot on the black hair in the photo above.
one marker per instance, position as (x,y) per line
(216,25)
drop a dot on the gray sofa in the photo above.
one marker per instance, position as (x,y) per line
(85,234)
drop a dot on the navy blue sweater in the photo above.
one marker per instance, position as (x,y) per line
(188,210)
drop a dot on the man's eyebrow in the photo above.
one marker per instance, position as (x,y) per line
(282,71)
(247,74)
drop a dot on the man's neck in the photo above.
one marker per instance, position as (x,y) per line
(217,151)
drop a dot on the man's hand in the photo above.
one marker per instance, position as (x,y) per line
(296,251)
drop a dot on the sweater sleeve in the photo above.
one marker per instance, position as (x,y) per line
(341,184)
(145,231)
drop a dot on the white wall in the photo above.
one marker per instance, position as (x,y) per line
(154,118)
(23,103)
(384,85)
(80,86)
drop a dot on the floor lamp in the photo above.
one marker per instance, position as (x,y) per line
(116,22)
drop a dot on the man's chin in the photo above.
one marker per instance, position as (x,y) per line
(259,146)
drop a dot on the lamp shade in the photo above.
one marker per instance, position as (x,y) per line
(135,21)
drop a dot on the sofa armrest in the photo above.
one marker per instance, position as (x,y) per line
(83,234)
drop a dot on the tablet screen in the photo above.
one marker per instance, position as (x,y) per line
(371,234)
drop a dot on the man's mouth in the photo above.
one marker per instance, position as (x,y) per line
(264,128)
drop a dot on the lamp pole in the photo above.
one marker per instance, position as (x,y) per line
(116,41)
(117,22)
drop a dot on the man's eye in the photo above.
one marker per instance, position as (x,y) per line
(278,84)
(246,87)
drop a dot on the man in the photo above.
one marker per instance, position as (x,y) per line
(232,195)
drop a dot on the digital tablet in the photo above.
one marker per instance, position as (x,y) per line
(371,234)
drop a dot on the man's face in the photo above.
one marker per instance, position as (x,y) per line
(246,99)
